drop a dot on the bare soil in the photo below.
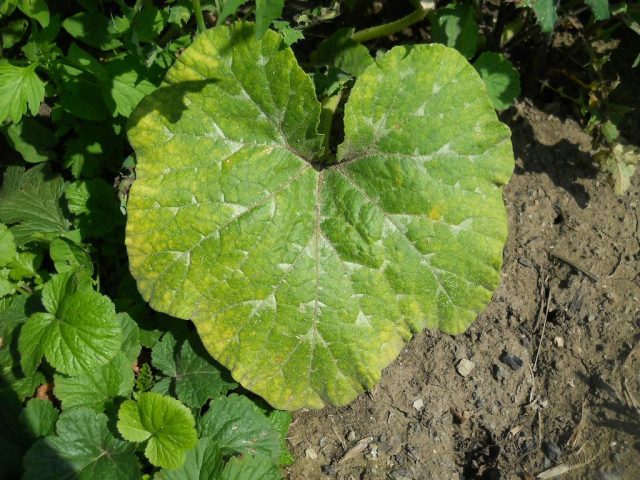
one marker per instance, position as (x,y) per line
(556,376)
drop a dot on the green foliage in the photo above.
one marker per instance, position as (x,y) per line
(69,78)
(368,244)
(32,140)
(340,51)
(600,8)
(266,310)
(82,448)
(545,13)
(619,160)
(237,426)
(20,89)
(97,388)
(501,79)
(191,376)
(30,204)
(456,27)
(39,417)
(77,333)
(266,12)
(163,422)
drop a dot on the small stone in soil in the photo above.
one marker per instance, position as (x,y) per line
(351,436)
(465,366)
(552,451)
(400,474)
(328,469)
(418,404)
(559,342)
(512,361)
(311,454)
(497,372)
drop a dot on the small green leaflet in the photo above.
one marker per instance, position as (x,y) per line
(255,468)
(205,461)
(600,8)
(96,388)
(68,256)
(32,140)
(82,449)
(14,312)
(266,12)
(39,417)
(130,337)
(122,82)
(78,332)
(500,77)
(235,428)
(13,32)
(20,89)
(229,7)
(546,14)
(93,29)
(305,274)
(30,204)
(95,203)
(8,250)
(340,51)
(281,420)
(237,425)
(36,9)
(167,424)
(193,377)
(289,34)
(455,26)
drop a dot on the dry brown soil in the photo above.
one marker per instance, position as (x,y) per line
(573,404)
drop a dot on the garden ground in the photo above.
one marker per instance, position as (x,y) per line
(555,375)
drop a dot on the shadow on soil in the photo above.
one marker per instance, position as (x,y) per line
(564,161)
(611,410)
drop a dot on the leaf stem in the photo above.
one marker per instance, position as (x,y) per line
(387,29)
(197,9)
(329,106)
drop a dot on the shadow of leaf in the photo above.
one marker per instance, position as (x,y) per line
(168,101)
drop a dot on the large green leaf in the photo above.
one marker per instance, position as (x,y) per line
(305,275)
(83,449)
(78,333)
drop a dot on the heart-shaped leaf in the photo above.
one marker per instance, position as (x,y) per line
(305,274)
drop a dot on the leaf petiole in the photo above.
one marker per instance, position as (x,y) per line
(329,106)
(197,9)
(387,29)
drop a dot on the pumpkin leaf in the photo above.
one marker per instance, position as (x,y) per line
(304,273)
